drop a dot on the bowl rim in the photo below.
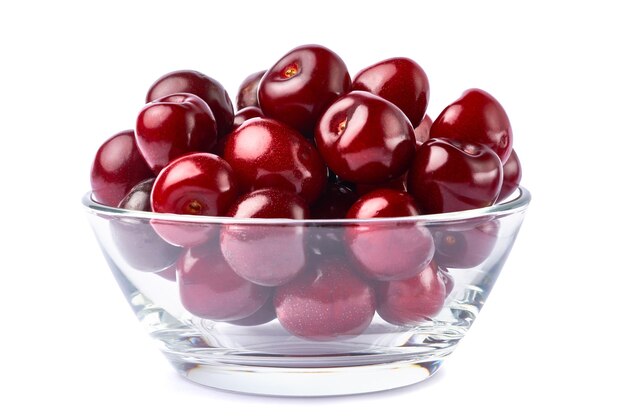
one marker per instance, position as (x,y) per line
(517,202)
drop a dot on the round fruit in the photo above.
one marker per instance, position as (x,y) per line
(247,93)
(511,176)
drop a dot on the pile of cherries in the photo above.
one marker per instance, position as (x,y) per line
(308,141)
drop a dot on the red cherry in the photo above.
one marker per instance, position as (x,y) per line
(265,153)
(247,92)
(208,89)
(265,314)
(269,255)
(301,85)
(422,131)
(394,251)
(194,184)
(334,203)
(365,139)
(477,118)
(411,301)
(325,303)
(465,245)
(210,289)
(511,176)
(117,167)
(399,184)
(448,177)
(246,113)
(172,126)
(401,81)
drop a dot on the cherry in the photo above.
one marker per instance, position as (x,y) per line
(265,153)
(365,139)
(401,81)
(203,86)
(247,93)
(210,289)
(172,126)
(446,177)
(301,85)
(138,244)
(394,251)
(398,183)
(265,314)
(422,131)
(478,118)
(194,184)
(326,302)
(465,245)
(334,203)
(246,113)
(117,167)
(411,301)
(511,176)
(266,254)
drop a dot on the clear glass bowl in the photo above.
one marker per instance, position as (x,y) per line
(362,305)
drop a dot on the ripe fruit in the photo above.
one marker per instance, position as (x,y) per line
(246,113)
(411,301)
(210,289)
(208,89)
(194,184)
(326,302)
(301,85)
(395,251)
(422,131)
(476,118)
(445,177)
(247,93)
(465,245)
(117,167)
(365,139)
(511,176)
(265,153)
(269,255)
(401,81)
(172,126)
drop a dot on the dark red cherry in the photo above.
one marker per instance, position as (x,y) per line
(138,243)
(422,131)
(246,113)
(446,177)
(301,85)
(511,176)
(117,167)
(266,254)
(365,139)
(172,126)
(265,153)
(465,245)
(194,184)
(334,203)
(210,289)
(326,302)
(399,184)
(388,251)
(247,92)
(265,314)
(401,81)
(205,87)
(411,301)
(476,118)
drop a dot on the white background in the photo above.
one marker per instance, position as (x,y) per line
(549,340)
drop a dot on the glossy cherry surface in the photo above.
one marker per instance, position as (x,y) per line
(194,184)
(210,289)
(117,167)
(476,118)
(172,126)
(265,153)
(203,86)
(401,81)
(511,176)
(411,301)
(445,177)
(269,255)
(365,139)
(247,92)
(327,302)
(393,251)
(465,245)
(301,85)
(246,113)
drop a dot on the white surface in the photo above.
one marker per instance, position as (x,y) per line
(548,341)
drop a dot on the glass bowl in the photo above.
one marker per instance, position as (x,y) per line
(307,308)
